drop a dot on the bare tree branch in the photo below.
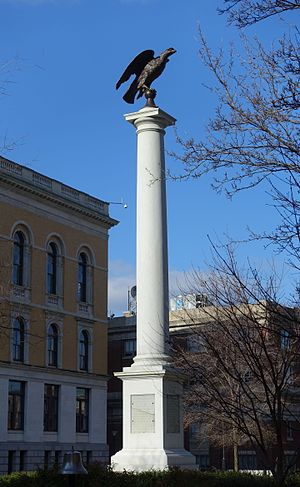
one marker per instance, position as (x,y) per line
(247,12)
(254,135)
(244,377)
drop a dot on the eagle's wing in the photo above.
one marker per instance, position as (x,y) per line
(136,66)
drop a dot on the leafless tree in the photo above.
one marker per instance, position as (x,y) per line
(247,12)
(8,69)
(253,136)
(244,377)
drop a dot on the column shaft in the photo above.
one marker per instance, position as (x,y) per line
(152,251)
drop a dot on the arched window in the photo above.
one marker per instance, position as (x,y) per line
(18,258)
(52,268)
(54,271)
(52,345)
(18,339)
(84,350)
(82,277)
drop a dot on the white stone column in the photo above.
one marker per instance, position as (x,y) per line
(152,247)
(152,390)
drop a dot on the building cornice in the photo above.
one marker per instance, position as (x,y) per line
(58,194)
(40,372)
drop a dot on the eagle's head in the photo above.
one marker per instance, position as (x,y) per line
(168,52)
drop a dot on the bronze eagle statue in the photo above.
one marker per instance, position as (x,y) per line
(146,69)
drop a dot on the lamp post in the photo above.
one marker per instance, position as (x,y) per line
(119,203)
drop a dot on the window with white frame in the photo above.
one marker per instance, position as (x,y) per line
(84,279)
(16,397)
(18,339)
(129,348)
(52,256)
(285,339)
(289,430)
(52,345)
(194,344)
(54,271)
(20,257)
(84,350)
(82,410)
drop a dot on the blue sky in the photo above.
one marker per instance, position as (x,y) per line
(63,58)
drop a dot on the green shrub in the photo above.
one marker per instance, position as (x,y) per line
(100,476)
(294,480)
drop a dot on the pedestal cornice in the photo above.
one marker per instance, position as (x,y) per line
(148,372)
(147,114)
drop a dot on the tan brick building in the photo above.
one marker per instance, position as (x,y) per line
(53,310)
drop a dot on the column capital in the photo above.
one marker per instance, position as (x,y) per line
(150,114)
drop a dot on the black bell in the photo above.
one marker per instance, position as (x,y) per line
(72,464)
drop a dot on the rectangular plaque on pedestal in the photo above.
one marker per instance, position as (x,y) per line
(173,413)
(142,413)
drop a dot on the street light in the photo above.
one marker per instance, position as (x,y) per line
(118,203)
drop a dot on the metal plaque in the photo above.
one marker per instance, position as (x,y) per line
(142,413)
(173,413)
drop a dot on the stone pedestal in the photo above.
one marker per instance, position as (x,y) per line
(152,390)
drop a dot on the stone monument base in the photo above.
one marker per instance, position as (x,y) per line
(152,420)
(142,460)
